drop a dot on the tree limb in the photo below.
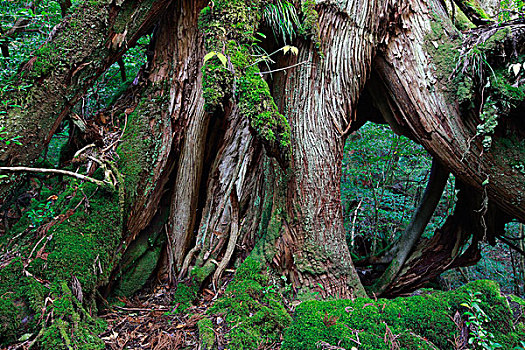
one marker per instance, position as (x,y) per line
(473,10)
(22,169)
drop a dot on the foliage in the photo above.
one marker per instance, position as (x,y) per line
(37,23)
(283,19)
(510,9)
(383,178)
(8,140)
(40,213)
(477,318)
(230,29)
(110,85)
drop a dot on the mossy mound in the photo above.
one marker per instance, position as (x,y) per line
(252,308)
(21,300)
(47,290)
(417,322)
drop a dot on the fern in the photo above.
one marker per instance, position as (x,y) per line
(283,20)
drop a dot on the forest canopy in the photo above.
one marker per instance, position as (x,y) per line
(256,174)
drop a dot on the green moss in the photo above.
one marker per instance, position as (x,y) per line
(310,25)
(417,322)
(253,308)
(476,7)
(21,302)
(71,326)
(141,143)
(206,333)
(84,244)
(256,103)
(141,258)
(184,296)
(461,21)
(229,28)
(199,274)
(79,249)
(444,53)
(138,274)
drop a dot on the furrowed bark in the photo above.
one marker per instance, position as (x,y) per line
(176,71)
(418,93)
(234,169)
(315,238)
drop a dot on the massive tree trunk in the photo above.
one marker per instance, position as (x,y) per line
(414,78)
(211,169)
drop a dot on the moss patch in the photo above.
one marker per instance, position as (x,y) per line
(44,292)
(21,301)
(184,296)
(206,333)
(231,72)
(252,308)
(417,322)
(71,326)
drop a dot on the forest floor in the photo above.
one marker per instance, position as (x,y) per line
(150,320)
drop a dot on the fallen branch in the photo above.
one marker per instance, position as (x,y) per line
(22,169)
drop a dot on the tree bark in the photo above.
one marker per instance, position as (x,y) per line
(416,94)
(456,244)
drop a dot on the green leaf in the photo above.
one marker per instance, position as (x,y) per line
(223,59)
(209,56)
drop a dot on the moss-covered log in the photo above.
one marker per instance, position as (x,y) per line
(431,320)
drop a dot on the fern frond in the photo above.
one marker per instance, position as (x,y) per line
(283,19)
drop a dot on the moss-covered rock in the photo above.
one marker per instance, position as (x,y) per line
(417,322)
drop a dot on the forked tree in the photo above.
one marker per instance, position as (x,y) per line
(219,156)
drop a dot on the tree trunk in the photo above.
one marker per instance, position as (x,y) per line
(413,86)
(209,170)
(456,244)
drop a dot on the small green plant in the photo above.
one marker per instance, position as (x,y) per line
(479,337)
(4,138)
(283,19)
(40,213)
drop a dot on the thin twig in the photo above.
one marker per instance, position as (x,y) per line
(22,169)
(285,68)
